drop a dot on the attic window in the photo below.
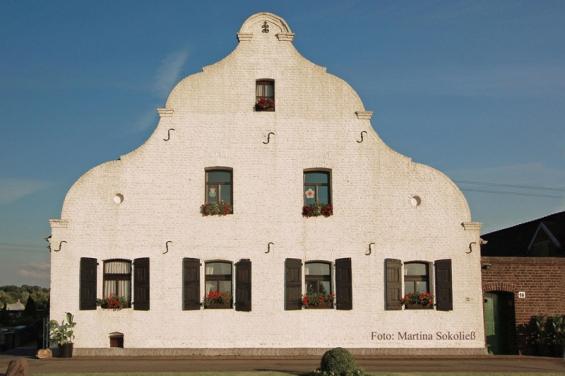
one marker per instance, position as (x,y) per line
(265,95)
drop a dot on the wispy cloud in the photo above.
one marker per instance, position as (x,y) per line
(169,71)
(13,189)
(36,273)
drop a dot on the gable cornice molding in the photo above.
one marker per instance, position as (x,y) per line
(364,115)
(58,223)
(471,226)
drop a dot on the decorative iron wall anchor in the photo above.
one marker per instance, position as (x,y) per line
(361,140)
(269,137)
(168,134)
(370,249)
(470,247)
(269,246)
(167,246)
(265,27)
(60,245)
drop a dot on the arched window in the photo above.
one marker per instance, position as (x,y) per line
(265,95)
(117,280)
(319,291)
(218,287)
(416,277)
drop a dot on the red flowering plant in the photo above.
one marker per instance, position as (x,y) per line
(424,299)
(113,302)
(318,300)
(315,210)
(264,104)
(216,208)
(217,299)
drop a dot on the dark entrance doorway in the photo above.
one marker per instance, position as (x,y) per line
(500,327)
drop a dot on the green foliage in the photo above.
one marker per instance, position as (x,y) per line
(11,294)
(339,362)
(62,333)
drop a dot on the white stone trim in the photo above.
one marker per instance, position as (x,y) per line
(285,37)
(165,112)
(58,223)
(364,115)
(244,37)
(470,226)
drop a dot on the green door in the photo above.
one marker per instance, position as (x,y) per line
(499,322)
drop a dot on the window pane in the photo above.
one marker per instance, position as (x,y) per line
(415,269)
(421,286)
(211,286)
(269,91)
(316,177)
(409,288)
(325,287)
(225,193)
(212,194)
(117,267)
(309,195)
(311,286)
(324,195)
(219,176)
(218,268)
(317,268)
(225,286)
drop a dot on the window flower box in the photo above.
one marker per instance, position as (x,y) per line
(265,104)
(217,299)
(316,210)
(423,300)
(221,208)
(113,302)
(318,300)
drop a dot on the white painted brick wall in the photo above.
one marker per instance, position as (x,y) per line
(315,126)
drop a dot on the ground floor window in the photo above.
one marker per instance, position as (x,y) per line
(117,281)
(318,281)
(218,285)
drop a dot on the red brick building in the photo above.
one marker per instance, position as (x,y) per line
(523,275)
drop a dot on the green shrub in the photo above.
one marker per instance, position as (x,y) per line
(339,362)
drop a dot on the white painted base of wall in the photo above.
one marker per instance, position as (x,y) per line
(269,352)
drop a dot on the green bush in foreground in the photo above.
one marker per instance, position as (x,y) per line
(339,362)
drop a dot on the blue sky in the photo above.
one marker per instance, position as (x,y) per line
(473,88)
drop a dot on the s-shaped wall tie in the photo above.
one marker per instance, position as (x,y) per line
(269,246)
(60,245)
(370,249)
(470,247)
(167,246)
(360,141)
(168,134)
(269,137)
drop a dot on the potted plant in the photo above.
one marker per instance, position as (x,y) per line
(421,300)
(216,208)
(217,299)
(318,300)
(63,335)
(557,335)
(265,104)
(113,302)
(317,209)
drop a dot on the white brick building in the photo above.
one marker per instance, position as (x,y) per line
(268,133)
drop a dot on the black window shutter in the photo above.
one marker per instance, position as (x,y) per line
(141,284)
(292,284)
(393,284)
(243,285)
(87,290)
(444,291)
(190,284)
(343,283)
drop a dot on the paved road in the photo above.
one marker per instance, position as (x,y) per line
(293,365)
